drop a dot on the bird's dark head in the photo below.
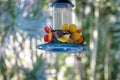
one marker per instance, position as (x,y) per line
(60,33)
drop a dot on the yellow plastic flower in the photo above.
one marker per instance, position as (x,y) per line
(80,40)
(65,27)
(72,27)
(75,36)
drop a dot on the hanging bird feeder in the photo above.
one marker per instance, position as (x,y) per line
(63,36)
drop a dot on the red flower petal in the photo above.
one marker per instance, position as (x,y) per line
(80,40)
(47,29)
(79,30)
(46,38)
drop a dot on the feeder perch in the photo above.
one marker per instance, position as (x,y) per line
(63,48)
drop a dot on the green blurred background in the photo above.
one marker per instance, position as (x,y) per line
(21,29)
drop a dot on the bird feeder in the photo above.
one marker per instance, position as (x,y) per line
(63,36)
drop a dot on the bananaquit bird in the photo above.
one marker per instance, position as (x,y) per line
(62,36)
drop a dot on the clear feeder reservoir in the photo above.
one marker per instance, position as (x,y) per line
(61,16)
(62,13)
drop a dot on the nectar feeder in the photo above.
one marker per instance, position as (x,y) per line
(62,14)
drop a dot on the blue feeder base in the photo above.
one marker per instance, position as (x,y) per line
(63,47)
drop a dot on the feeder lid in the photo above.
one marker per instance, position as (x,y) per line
(62,4)
(63,47)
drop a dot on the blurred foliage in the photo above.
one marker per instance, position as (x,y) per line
(21,29)
(108,26)
(21,23)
